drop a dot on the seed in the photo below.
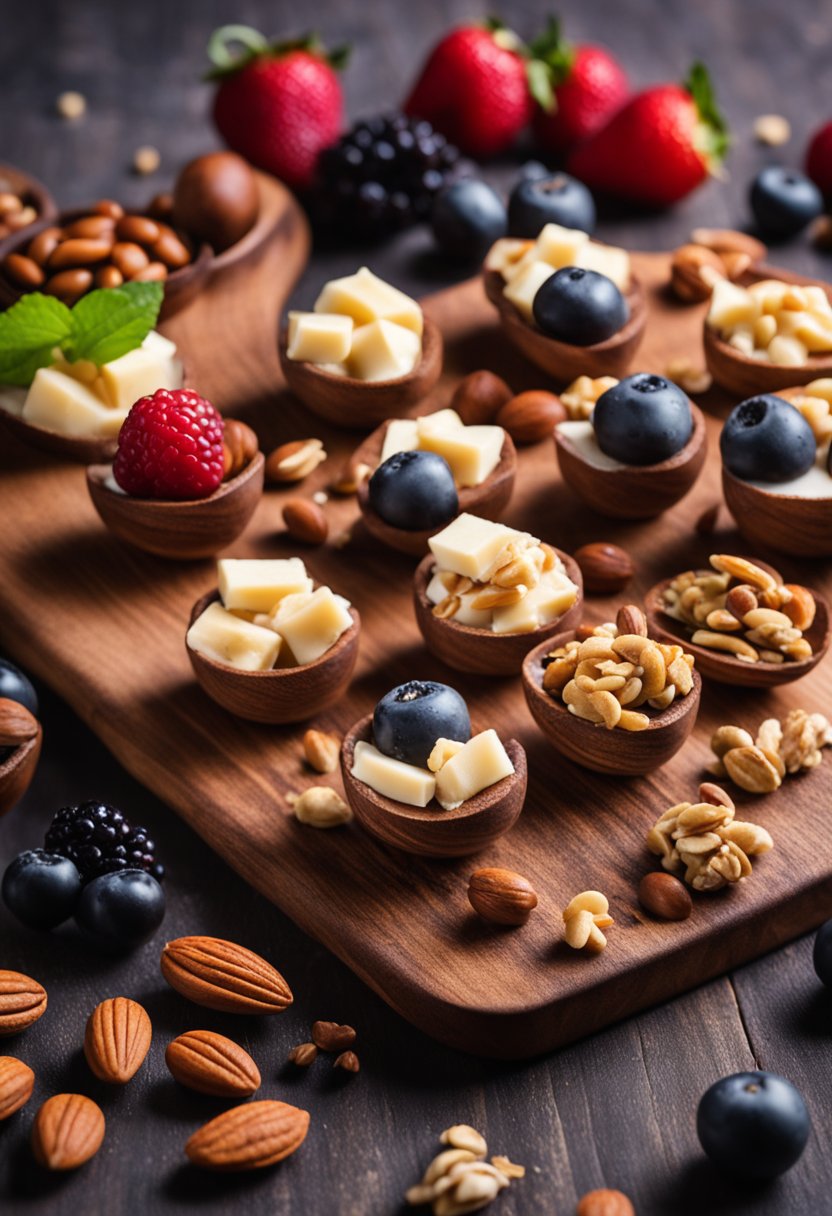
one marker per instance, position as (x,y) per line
(772,130)
(146,160)
(71,105)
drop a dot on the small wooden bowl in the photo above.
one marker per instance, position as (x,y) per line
(561,360)
(724,669)
(634,491)
(361,404)
(431,831)
(284,694)
(17,771)
(744,377)
(80,449)
(480,651)
(488,500)
(621,752)
(189,530)
(180,286)
(30,190)
(785,522)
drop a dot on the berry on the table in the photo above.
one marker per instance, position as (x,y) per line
(41,889)
(121,910)
(819,159)
(414,491)
(99,839)
(15,686)
(467,218)
(409,719)
(550,199)
(753,1125)
(170,447)
(767,439)
(642,420)
(579,306)
(822,954)
(783,201)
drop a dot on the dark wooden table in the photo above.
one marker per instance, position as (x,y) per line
(617,1109)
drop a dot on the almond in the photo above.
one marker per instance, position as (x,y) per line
(22,1002)
(665,896)
(224,976)
(532,416)
(501,896)
(67,1131)
(303,1055)
(117,1039)
(347,1060)
(693,272)
(240,446)
(329,1036)
(16,1084)
(294,461)
(605,1203)
(212,1064)
(728,240)
(305,521)
(17,724)
(249,1137)
(631,620)
(605,567)
(801,608)
(479,396)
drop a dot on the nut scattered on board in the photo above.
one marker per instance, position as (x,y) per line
(583,918)
(531,416)
(117,1039)
(664,896)
(239,447)
(320,806)
(224,976)
(760,764)
(22,1001)
(17,724)
(146,160)
(330,1036)
(605,1202)
(350,477)
(303,1055)
(16,1084)
(729,240)
(294,461)
(71,105)
(209,1063)
(321,751)
(691,379)
(68,1130)
(605,567)
(478,397)
(501,896)
(348,1061)
(694,269)
(459,1179)
(249,1137)
(773,130)
(579,398)
(305,521)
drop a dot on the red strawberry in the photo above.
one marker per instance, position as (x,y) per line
(819,159)
(661,145)
(589,86)
(277,104)
(475,88)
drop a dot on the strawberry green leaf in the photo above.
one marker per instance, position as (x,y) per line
(539,80)
(108,324)
(552,49)
(714,135)
(29,332)
(255,45)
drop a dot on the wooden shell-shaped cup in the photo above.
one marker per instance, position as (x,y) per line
(17,771)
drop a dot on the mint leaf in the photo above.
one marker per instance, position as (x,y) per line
(108,323)
(29,332)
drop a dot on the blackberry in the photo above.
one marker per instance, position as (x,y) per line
(380,177)
(99,840)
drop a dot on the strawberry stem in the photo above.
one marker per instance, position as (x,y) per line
(549,65)
(255,46)
(714,134)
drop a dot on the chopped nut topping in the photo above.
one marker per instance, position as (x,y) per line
(584,917)
(705,842)
(459,1179)
(303,1055)
(320,807)
(580,397)
(690,379)
(320,751)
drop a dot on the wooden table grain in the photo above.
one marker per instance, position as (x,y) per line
(617,1109)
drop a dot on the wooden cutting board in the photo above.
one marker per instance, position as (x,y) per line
(105,627)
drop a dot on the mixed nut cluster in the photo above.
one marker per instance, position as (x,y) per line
(712,256)
(15,212)
(459,1179)
(780,748)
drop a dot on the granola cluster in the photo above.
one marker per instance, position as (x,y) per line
(785,747)
(579,398)
(459,1179)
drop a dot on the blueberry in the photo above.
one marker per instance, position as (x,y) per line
(122,909)
(644,419)
(467,218)
(414,491)
(553,199)
(753,1125)
(767,439)
(579,306)
(17,687)
(822,955)
(409,719)
(783,201)
(41,888)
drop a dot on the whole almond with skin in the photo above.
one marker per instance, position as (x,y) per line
(67,1131)
(17,724)
(532,416)
(249,1137)
(212,1064)
(631,620)
(305,521)
(479,396)
(664,896)
(347,1060)
(294,461)
(22,1002)
(801,608)
(303,1054)
(240,446)
(605,1203)
(16,1084)
(605,567)
(224,976)
(501,896)
(117,1039)
(329,1036)
(741,600)
(694,270)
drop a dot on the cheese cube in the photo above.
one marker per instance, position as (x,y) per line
(606,260)
(472,451)
(402,435)
(365,297)
(472,546)
(482,762)
(437,589)
(61,403)
(256,585)
(315,625)
(382,350)
(731,306)
(505,253)
(560,246)
(540,606)
(221,636)
(476,618)
(140,372)
(523,288)
(392,778)
(319,337)
(440,422)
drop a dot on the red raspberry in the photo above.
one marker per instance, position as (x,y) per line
(170,446)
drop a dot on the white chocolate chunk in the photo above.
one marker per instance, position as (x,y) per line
(472,546)
(523,287)
(560,246)
(402,435)
(319,337)
(472,451)
(392,778)
(606,260)
(61,403)
(466,614)
(540,606)
(256,585)
(383,350)
(505,253)
(315,625)
(482,762)
(730,306)
(365,297)
(224,637)
(436,589)
(140,372)
(440,422)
